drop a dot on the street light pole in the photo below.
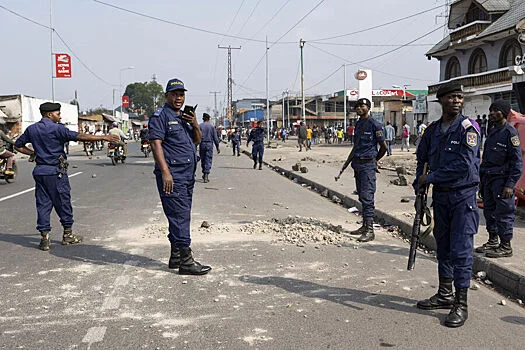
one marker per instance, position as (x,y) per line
(301,45)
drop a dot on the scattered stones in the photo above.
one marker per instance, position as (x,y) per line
(481,274)
(74,166)
(184,282)
(503,302)
(205,224)
(336,199)
(324,193)
(520,302)
(474,286)
(94,175)
(488,282)
(304,169)
(296,166)
(401,170)
(405,200)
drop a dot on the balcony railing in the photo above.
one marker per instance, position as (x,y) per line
(500,76)
(459,35)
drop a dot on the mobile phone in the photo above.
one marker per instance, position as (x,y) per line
(189,109)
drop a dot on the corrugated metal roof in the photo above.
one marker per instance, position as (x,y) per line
(442,45)
(495,5)
(508,20)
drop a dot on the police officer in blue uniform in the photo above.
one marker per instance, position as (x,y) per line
(174,136)
(501,168)
(209,138)
(369,134)
(451,148)
(257,136)
(52,189)
(235,138)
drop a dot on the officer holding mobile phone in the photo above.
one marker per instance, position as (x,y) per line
(173,135)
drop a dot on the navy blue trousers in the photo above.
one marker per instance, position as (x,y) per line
(365,183)
(53,192)
(177,208)
(456,220)
(499,212)
(236,147)
(206,154)
(258,152)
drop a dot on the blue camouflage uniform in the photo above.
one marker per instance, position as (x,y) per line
(52,189)
(453,158)
(369,134)
(209,138)
(236,141)
(181,156)
(501,167)
(257,136)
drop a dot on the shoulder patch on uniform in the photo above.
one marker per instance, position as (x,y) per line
(157,112)
(515,140)
(472,139)
(379,133)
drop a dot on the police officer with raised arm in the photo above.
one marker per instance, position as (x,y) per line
(451,148)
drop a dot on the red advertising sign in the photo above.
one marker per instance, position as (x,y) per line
(125,101)
(62,65)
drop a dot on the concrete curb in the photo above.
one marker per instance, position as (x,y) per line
(501,278)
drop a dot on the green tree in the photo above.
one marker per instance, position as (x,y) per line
(146,96)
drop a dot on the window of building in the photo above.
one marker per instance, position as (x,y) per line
(478,62)
(453,69)
(476,13)
(509,51)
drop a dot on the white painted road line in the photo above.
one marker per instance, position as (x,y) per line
(29,190)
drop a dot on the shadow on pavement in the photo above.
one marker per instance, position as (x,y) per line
(345,296)
(514,320)
(89,253)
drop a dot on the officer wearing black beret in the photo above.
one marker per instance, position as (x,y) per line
(52,189)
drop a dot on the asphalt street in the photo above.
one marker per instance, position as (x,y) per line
(115,291)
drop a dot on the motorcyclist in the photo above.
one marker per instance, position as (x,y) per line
(116,131)
(4,153)
(144,133)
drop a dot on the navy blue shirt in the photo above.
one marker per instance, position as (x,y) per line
(256,135)
(177,141)
(502,154)
(208,133)
(48,139)
(236,136)
(371,134)
(453,157)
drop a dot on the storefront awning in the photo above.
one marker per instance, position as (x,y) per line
(109,117)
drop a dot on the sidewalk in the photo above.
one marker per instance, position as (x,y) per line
(325,161)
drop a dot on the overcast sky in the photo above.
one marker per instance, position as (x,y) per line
(107,40)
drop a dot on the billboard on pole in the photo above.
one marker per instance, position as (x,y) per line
(125,101)
(62,65)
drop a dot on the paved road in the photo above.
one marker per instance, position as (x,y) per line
(115,291)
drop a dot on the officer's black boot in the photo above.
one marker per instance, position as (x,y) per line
(359,231)
(459,313)
(368,235)
(188,266)
(238,154)
(70,238)
(254,165)
(260,166)
(174,262)
(443,299)
(206,177)
(44,240)
(491,244)
(504,250)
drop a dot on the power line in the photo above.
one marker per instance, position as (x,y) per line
(234,18)
(249,17)
(271,19)
(369,45)
(63,41)
(325,79)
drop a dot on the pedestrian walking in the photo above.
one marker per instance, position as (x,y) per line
(450,147)
(340,135)
(309,133)
(389,137)
(501,168)
(369,134)
(236,141)
(257,136)
(405,137)
(208,140)
(52,190)
(173,136)
(302,137)
(350,132)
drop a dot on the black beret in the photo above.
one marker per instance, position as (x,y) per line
(448,88)
(502,106)
(49,107)
(364,101)
(205,116)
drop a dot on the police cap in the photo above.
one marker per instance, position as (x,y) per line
(364,101)
(205,116)
(49,107)
(448,88)
(175,84)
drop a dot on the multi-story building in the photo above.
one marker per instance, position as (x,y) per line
(482,52)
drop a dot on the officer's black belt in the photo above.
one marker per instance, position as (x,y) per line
(362,161)
(450,189)
(48,164)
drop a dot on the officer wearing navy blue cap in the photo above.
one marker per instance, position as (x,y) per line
(209,139)
(257,137)
(501,168)
(450,147)
(52,189)
(368,134)
(174,136)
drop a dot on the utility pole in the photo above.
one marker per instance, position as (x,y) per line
(303,106)
(230,80)
(344,95)
(52,58)
(267,94)
(215,111)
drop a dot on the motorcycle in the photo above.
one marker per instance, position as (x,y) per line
(88,148)
(9,178)
(116,153)
(145,147)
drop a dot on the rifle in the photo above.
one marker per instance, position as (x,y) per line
(62,166)
(422,217)
(347,163)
